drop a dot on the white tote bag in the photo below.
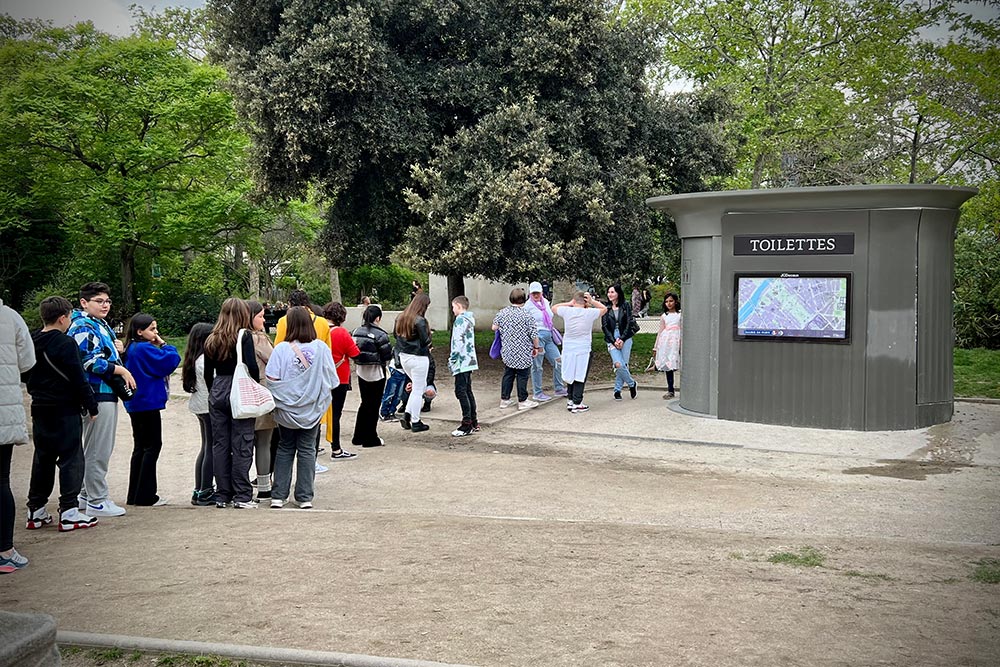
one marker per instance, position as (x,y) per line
(247,398)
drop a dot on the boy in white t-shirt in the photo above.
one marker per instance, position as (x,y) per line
(579,316)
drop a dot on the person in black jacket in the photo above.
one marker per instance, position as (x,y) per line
(619,326)
(60,392)
(375,352)
(413,343)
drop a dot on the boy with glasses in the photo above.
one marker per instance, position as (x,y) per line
(100,350)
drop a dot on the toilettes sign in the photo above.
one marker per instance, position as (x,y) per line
(793,244)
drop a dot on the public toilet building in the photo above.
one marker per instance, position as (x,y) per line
(826,307)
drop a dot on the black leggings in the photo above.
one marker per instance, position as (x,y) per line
(6,500)
(670,381)
(147,438)
(203,465)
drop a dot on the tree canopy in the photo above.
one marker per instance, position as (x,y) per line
(129,144)
(510,130)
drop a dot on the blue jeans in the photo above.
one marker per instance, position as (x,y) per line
(550,352)
(395,385)
(622,376)
(297,444)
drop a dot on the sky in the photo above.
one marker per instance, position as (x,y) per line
(113,15)
(107,15)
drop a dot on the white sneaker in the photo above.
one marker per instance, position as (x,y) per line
(569,406)
(73,519)
(305,505)
(527,405)
(583,407)
(320,468)
(245,505)
(106,507)
(38,518)
(161,501)
(277,503)
(506,403)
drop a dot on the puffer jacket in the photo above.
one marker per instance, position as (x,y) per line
(17,355)
(96,341)
(373,343)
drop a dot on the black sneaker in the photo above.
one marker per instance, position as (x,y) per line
(618,396)
(418,427)
(427,405)
(388,418)
(405,421)
(631,390)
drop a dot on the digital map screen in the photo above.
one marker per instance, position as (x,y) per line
(792,306)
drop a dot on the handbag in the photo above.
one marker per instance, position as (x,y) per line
(247,398)
(496,346)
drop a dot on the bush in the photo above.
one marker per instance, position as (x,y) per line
(177,309)
(659,292)
(391,283)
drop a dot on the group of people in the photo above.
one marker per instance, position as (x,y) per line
(77,370)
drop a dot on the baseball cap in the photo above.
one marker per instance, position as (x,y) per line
(534,287)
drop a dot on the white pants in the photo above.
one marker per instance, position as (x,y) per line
(416,367)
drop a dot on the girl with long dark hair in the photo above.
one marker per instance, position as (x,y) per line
(232,439)
(619,326)
(193,382)
(150,361)
(668,341)
(264,425)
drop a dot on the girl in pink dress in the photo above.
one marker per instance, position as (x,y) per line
(668,341)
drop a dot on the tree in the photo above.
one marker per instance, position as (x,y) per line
(797,72)
(130,144)
(373,99)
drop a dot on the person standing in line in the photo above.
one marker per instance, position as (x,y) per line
(374,352)
(264,425)
(549,340)
(619,326)
(636,299)
(151,361)
(100,349)
(59,392)
(193,381)
(299,297)
(462,361)
(646,298)
(668,340)
(519,347)
(232,439)
(342,349)
(301,376)
(579,316)
(17,356)
(413,343)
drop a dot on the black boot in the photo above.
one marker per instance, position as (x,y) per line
(405,421)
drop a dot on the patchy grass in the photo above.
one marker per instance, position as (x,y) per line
(868,575)
(977,373)
(102,656)
(806,557)
(987,571)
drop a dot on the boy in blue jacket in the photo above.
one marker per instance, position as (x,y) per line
(151,361)
(100,349)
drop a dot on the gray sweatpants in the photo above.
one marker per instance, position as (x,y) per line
(98,443)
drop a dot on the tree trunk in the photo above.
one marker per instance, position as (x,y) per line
(253,276)
(456,287)
(126,256)
(335,285)
(758,171)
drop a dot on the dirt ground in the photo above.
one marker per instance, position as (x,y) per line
(630,535)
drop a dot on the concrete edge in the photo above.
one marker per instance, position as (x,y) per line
(241,652)
(974,399)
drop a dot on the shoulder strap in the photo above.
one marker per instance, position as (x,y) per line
(61,374)
(239,347)
(301,356)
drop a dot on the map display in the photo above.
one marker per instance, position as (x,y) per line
(792,306)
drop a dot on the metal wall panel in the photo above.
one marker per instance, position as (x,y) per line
(890,361)
(698,351)
(935,328)
(819,384)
